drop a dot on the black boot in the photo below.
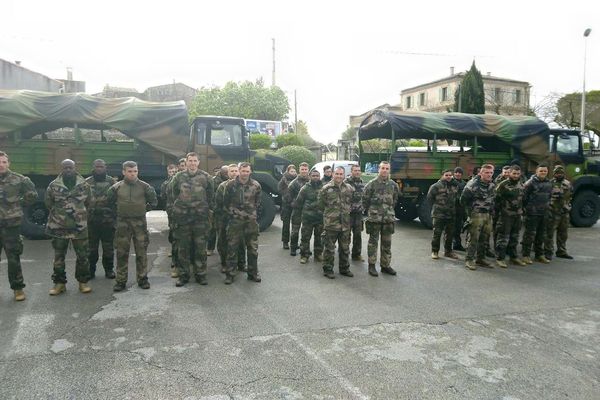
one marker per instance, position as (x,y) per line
(372,270)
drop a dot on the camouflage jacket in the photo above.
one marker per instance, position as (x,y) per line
(307,202)
(335,201)
(326,179)
(509,197)
(283,188)
(460,186)
(537,195)
(132,199)
(499,179)
(295,186)
(379,200)
(218,179)
(560,201)
(241,201)
(164,195)
(99,210)
(220,212)
(478,196)
(16,191)
(359,188)
(68,208)
(192,196)
(442,196)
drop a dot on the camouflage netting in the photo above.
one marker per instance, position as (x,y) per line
(163,126)
(527,135)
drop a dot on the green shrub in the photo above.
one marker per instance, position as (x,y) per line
(260,141)
(297,155)
(289,139)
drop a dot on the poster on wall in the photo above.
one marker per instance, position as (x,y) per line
(271,128)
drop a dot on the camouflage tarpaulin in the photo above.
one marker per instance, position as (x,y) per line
(526,134)
(163,126)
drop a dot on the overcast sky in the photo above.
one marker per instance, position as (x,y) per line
(342,59)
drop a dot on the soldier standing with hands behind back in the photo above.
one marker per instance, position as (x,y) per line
(356,211)
(558,215)
(293,190)
(442,196)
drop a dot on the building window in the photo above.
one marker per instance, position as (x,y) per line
(408,102)
(517,96)
(421,99)
(498,95)
(445,93)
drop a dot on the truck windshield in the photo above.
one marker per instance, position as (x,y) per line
(226,135)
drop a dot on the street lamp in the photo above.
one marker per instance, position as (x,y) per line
(586,33)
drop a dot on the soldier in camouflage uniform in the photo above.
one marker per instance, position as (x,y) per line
(166,198)
(460,210)
(335,199)
(442,196)
(16,191)
(132,197)
(67,199)
(478,199)
(327,174)
(356,211)
(509,205)
(312,217)
(503,175)
(101,220)
(241,200)
(220,177)
(182,164)
(286,204)
(558,215)
(379,202)
(536,199)
(293,190)
(193,192)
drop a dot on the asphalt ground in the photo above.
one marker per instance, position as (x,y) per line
(434,331)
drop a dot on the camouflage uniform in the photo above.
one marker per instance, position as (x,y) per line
(558,217)
(312,217)
(166,197)
(222,221)
(101,224)
(356,217)
(67,221)
(478,199)
(509,205)
(15,191)
(193,198)
(293,190)
(379,202)
(459,219)
(335,201)
(326,179)
(212,234)
(241,201)
(442,196)
(286,206)
(536,199)
(132,200)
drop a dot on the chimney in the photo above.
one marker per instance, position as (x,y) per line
(451,71)
(18,62)
(69,73)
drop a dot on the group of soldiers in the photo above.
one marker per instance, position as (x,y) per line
(332,210)
(494,210)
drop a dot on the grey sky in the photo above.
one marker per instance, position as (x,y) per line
(342,59)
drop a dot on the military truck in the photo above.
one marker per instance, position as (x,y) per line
(38,130)
(466,140)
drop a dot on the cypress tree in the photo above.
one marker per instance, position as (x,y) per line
(472,97)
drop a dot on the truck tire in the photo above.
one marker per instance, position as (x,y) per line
(424,211)
(586,209)
(34,221)
(406,212)
(266,211)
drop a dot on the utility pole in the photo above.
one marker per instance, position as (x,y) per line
(295,113)
(586,33)
(273,78)
(460,97)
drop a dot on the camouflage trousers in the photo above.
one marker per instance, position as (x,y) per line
(459,221)
(10,241)
(212,235)
(480,230)
(101,234)
(296,224)
(191,249)
(329,240)
(286,218)
(82,266)
(534,235)
(442,226)
(239,232)
(558,223)
(374,230)
(508,229)
(172,241)
(222,246)
(128,230)
(307,231)
(356,228)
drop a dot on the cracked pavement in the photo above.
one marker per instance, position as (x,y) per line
(436,331)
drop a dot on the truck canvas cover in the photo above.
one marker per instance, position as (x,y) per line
(527,135)
(164,126)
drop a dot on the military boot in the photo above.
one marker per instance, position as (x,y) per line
(286,246)
(19,295)
(254,277)
(527,260)
(470,264)
(329,274)
(346,272)
(501,263)
(373,270)
(119,287)
(144,284)
(201,279)
(293,252)
(209,253)
(564,255)
(84,287)
(388,270)
(484,263)
(542,259)
(174,273)
(228,279)
(242,268)
(57,289)
(109,274)
(451,255)
(434,255)
(303,260)
(319,257)
(518,261)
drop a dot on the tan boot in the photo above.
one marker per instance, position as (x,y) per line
(174,273)
(501,263)
(518,261)
(57,289)
(19,295)
(527,260)
(484,263)
(303,260)
(542,259)
(471,265)
(84,287)
(434,255)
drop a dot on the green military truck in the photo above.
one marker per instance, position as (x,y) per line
(450,140)
(38,130)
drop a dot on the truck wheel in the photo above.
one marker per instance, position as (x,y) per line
(266,211)
(34,221)
(424,212)
(406,212)
(586,209)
